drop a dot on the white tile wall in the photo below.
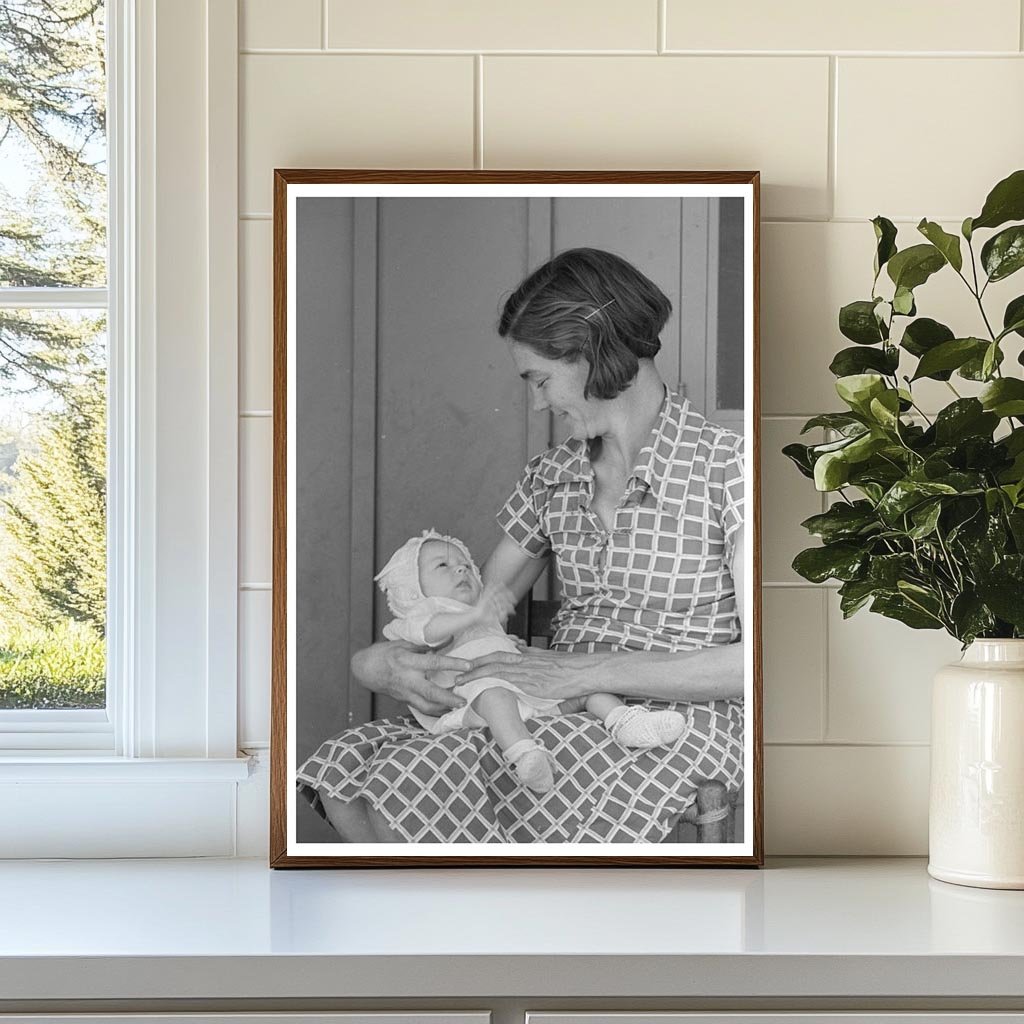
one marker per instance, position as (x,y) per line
(256,355)
(261,24)
(698,113)
(879,677)
(332,110)
(874,25)
(255,493)
(254,618)
(794,664)
(838,138)
(964,115)
(471,25)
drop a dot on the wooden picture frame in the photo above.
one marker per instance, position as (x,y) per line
(395,406)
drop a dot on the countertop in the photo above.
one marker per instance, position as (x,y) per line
(232,929)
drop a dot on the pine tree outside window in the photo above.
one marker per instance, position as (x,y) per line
(53,365)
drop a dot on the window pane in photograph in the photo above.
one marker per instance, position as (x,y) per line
(53,510)
(53,150)
(729,384)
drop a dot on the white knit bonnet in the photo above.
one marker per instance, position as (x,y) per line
(400,578)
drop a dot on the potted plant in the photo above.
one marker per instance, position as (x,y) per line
(926,521)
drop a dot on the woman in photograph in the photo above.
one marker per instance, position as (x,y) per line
(641,512)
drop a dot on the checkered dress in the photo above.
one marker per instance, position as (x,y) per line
(659,581)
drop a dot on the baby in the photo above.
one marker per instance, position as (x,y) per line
(435,592)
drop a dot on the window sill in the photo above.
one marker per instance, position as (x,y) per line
(79,806)
(77,766)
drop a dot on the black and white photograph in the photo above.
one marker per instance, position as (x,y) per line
(516,560)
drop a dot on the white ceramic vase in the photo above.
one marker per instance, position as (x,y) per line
(976,813)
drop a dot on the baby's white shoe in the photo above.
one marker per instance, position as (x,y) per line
(634,726)
(532,765)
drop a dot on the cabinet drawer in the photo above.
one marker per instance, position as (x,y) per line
(355,1017)
(934,1017)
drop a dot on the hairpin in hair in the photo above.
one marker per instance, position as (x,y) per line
(594,312)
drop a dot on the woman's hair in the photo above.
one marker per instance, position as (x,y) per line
(594,304)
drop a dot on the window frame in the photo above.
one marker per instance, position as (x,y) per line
(172,465)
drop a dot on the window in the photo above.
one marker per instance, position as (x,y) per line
(53,368)
(154,772)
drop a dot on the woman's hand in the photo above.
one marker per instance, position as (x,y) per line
(539,672)
(405,673)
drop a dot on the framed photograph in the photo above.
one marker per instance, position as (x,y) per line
(516,577)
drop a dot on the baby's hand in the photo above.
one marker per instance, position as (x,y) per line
(496,602)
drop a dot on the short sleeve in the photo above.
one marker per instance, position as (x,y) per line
(730,471)
(521,517)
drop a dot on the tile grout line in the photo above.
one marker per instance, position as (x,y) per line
(854,744)
(478,111)
(833,134)
(825,651)
(1020,24)
(662,41)
(768,55)
(323,24)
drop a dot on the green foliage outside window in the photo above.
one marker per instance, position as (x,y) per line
(52,364)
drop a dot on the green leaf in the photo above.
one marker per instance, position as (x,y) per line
(971,617)
(865,446)
(850,361)
(974,368)
(1005,202)
(903,302)
(857,321)
(858,389)
(854,594)
(923,335)
(843,521)
(907,494)
(1006,599)
(885,236)
(1004,397)
(912,267)
(841,421)
(799,455)
(966,417)
(947,244)
(887,570)
(925,518)
(885,409)
(991,360)
(950,355)
(899,608)
(1013,318)
(1003,255)
(965,228)
(840,561)
(831,471)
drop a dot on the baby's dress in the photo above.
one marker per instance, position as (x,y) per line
(473,643)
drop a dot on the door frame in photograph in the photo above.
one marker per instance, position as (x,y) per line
(288,183)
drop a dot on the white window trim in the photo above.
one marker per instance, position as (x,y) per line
(172,499)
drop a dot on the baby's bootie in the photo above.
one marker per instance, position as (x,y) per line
(634,726)
(532,765)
